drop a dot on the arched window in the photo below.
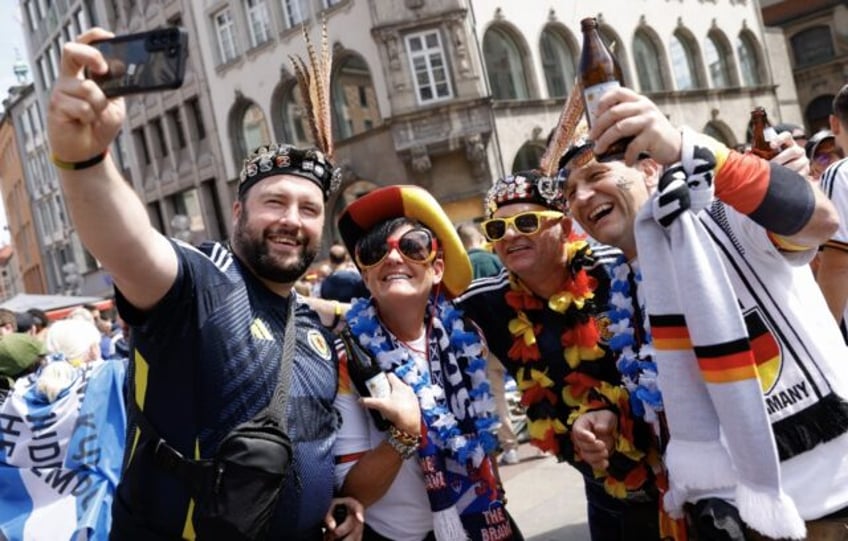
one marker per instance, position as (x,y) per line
(528,156)
(683,62)
(616,45)
(647,57)
(354,100)
(812,46)
(717,57)
(291,118)
(557,63)
(254,128)
(749,60)
(720,132)
(505,66)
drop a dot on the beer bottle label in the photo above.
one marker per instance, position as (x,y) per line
(378,385)
(592,95)
(769,134)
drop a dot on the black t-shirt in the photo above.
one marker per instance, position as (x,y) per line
(485,303)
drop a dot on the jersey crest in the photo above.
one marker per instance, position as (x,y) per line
(318,344)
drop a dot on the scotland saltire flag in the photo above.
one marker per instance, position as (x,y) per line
(60,462)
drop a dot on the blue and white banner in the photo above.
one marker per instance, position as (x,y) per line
(60,462)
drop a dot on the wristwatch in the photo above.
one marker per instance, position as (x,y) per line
(404,443)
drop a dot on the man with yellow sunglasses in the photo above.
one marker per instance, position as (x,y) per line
(539,318)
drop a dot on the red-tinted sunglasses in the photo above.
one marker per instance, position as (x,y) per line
(416,246)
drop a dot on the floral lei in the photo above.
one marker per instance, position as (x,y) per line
(442,425)
(581,391)
(635,362)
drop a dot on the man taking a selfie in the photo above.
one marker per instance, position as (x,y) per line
(208,326)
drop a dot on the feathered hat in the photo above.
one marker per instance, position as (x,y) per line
(315,164)
(543,186)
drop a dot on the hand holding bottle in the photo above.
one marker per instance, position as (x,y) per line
(790,154)
(623,113)
(400,408)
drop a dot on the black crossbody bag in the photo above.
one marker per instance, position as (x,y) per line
(236,491)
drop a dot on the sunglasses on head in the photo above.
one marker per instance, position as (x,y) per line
(524,223)
(416,246)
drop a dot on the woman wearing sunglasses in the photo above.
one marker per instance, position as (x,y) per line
(429,475)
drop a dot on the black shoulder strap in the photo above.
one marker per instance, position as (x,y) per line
(196,472)
(276,408)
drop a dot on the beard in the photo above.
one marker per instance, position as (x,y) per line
(252,247)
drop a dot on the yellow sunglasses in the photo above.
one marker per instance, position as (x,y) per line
(524,223)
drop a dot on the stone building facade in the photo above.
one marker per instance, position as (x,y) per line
(446,94)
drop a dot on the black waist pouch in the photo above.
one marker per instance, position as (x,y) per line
(243,483)
(236,491)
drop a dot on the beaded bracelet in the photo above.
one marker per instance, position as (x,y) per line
(404,443)
(76,166)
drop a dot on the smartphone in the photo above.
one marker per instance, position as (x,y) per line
(143,62)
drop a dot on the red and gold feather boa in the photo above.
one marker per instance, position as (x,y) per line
(579,391)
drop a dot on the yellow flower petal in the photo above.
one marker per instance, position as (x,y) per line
(522,326)
(561,301)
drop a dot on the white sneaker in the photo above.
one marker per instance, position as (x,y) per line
(510,457)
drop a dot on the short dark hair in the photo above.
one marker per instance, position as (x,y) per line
(378,234)
(840,106)
(39,318)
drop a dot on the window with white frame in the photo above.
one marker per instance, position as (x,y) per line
(294,12)
(429,69)
(225,30)
(330,3)
(257,21)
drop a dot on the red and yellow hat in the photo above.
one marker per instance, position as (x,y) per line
(417,204)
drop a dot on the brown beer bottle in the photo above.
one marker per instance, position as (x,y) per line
(599,72)
(366,375)
(762,134)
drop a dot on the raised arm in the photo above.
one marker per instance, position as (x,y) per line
(107,214)
(776,197)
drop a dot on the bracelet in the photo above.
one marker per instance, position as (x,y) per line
(404,443)
(76,166)
(338,314)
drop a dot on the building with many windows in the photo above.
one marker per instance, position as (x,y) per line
(68,267)
(446,94)
(449,94)
(170,143)
(816,33)
(21,259)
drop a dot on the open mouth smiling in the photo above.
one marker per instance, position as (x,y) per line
(599,212)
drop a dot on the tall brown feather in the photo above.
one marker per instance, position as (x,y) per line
(328,71)
(303,84)
(563,135)
(313,78)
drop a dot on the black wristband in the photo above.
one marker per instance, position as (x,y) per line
(76,166)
